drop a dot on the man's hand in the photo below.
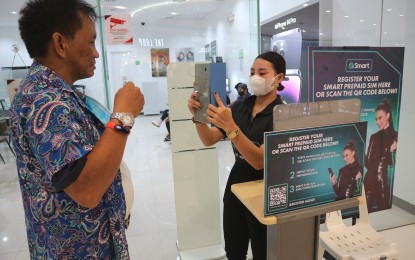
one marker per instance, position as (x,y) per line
(129,99)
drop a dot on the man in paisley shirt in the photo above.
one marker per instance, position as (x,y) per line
(67,160)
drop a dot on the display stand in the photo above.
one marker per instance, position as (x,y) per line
(195,174)
(292,235)
(295,234)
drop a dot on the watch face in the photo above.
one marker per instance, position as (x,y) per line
(127,120)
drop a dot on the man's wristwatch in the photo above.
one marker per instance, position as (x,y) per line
(126,119)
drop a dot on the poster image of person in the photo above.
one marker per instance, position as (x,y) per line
(190,56)
(184,54)
(346,184)
(379,158)
(180,57)
(373,75)
(159,62)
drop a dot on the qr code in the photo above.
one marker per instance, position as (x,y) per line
(278,195)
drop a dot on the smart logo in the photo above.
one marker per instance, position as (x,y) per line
(359,65)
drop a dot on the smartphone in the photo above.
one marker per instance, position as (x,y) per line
(292,87)
(288,44)
(209,78)
(331,172)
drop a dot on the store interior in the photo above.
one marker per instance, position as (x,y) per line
(236,31)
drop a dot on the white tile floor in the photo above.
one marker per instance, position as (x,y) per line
(152,233)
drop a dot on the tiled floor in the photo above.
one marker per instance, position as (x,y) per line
(152,233)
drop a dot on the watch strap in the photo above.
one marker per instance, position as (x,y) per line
(120,115)
(118,128)
(115,115)
(234,133)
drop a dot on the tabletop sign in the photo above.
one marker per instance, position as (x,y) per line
(308,167)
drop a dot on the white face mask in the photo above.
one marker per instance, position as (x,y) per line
(261,86)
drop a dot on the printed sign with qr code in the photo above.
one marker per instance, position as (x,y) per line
(278,196)
(296,164)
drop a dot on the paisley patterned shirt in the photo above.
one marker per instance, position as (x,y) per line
(52,127)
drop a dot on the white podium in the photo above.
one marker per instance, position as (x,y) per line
(195,174)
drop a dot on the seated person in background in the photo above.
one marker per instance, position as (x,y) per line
(164,117)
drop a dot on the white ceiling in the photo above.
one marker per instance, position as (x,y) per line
(152,12)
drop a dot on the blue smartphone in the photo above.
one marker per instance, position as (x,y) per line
(209,78)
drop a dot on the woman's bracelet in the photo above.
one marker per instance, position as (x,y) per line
(234,133)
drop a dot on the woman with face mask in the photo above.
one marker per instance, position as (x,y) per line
(244,123)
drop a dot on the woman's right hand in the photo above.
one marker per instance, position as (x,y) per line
(333,179)
(193,103)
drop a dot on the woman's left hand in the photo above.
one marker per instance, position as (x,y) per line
(393,146)
(221,116)
(358,176)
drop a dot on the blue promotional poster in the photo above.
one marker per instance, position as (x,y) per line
(374,75)
(313,166)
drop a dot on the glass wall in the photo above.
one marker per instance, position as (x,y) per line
(230,29)
(178,32)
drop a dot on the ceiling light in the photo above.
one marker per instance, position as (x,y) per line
(230,18)
(346,16)
(13,12)
(119,7)
(362,21)
(401,15)
(374,24)
(151,6)
(173,13)
(390,9)
(305,5)
(328,11)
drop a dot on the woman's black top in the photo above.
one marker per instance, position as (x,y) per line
(254,129)
(379,156)
(346,182)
